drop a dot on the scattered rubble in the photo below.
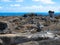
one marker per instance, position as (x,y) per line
(30,29)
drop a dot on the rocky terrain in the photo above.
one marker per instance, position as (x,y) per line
(29,24)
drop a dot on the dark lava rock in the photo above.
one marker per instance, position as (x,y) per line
(3,26)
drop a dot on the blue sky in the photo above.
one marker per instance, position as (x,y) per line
(29,5)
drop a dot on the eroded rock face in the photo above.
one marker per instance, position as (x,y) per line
(3,26)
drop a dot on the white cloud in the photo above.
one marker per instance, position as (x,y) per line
(55,8)
(1,7)
(45,1)
(11,0)
(33,8)
(17,5)
(39,8)
(6,0)
(19,0)
(36,0)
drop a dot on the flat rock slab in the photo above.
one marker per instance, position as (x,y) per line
(12,35)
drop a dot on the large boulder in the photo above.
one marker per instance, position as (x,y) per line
(4,27)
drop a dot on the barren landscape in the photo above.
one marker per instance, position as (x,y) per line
(29,29)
